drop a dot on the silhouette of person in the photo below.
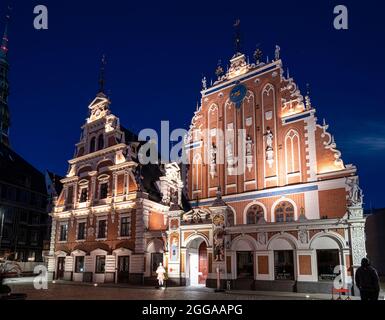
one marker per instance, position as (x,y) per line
(367,281)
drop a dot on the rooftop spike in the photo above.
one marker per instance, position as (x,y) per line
(102,80)
(237,28)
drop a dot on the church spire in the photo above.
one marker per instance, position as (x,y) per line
(4,85)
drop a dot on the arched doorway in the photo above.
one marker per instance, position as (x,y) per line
(196,262)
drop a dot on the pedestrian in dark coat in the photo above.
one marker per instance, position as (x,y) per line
(367,281)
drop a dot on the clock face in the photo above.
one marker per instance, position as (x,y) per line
(238,94)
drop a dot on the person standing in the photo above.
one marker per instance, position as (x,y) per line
(161,274)
(367,281)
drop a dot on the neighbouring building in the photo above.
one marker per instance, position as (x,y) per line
(272,206)
(23,196)
(110,221)
(375,239)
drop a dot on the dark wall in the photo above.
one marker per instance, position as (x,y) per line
(375,239)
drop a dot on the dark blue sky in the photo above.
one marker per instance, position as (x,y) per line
(158,51)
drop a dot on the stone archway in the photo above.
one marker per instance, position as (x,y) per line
(196,264)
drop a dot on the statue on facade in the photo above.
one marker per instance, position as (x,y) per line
(249,153)
(269,147)
(213,160)
(204,83)
(355,193)
(277,52)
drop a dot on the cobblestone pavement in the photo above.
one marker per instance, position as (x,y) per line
(72,291)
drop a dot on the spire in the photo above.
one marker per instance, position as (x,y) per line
(102,80)
(4,85)
(237,27)
(4,40)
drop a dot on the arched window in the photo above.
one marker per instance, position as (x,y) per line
(92,145)
(101,142)
(254,214)
(284,212)
(292,147)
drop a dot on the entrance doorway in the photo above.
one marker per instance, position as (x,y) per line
(60,268)
(123,269)
(196,262)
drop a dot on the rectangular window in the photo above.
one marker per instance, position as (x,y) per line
(284,265)
(70,194)
(327,260)
(79,264)
(100,264)
(102,229)
(63,232)
(83,195)
(104,191)
(34,236)
(82,231)
(245,265)
(125,227)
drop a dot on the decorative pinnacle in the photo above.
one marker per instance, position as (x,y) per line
(257,55)
(219,71)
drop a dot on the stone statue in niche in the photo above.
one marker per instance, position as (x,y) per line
(230,157)
(249,153)
(269,147)
(213,160)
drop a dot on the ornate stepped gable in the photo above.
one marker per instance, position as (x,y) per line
(284,142)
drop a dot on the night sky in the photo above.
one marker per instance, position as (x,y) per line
(158,52)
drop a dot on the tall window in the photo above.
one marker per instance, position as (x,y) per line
(103,190)
(125,227)
(102,229)
(100,264)
(92,145)
(101,142)
(284,212)
(63,232)
(84,195)
(292,152)
(254,214)
(79,264)
(82,231)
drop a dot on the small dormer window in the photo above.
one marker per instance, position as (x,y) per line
(101,142)
(92,145)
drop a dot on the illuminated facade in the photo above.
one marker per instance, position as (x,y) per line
(272,205)
(109,222)
(282,208)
